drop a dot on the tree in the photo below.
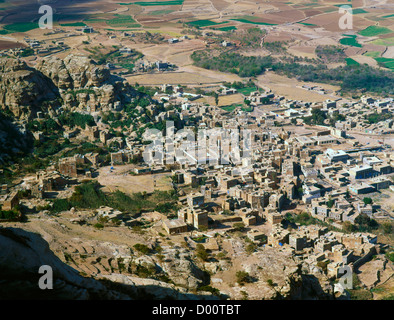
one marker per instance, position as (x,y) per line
(348,226)
(216,95)
(365,223)
(330,203)
(367,201)
(201,252)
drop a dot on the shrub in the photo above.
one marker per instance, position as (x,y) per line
(239,226)
(387,227)
(243,277)
(142,248)
(250,248)
(270,282)
(60,205)
(208,288)
(390,256)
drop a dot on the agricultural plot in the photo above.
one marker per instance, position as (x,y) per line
(74,24)
(308,24)
(231,108)
(386,62)
(253,22)
(123,21)
(372,31)
(248,90)
(230,28)
(359,11)
(350,41)
(160,12)
(351,62)
(372,54)
(204,23)
(387,42)
(19,27)
(155,3)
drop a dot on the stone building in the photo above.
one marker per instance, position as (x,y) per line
(175,226)
(68,167)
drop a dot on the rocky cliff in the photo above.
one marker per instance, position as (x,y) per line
(77,82)
(13,139)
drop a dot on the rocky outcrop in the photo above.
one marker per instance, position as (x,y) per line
(77,82)
(153,289)
(74,72)
(22,254)
(272,274)
(83,83)
(181,269)
(24,89)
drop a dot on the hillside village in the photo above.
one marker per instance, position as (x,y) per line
(301,189)
(143,159)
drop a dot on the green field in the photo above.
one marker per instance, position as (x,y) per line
(160,12)
(94,20)
(247,91)
(227,28)
(203,23)
(384,42)
(386,62)
(351,62)
(373,54)
(374,31)
(350,41)
(123,21)
(19,27)
(344,4)
(155,3)
(74,24)
(307,24)
(230,108)
(129,66)
(389,16)
(254,22)
(358,11)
